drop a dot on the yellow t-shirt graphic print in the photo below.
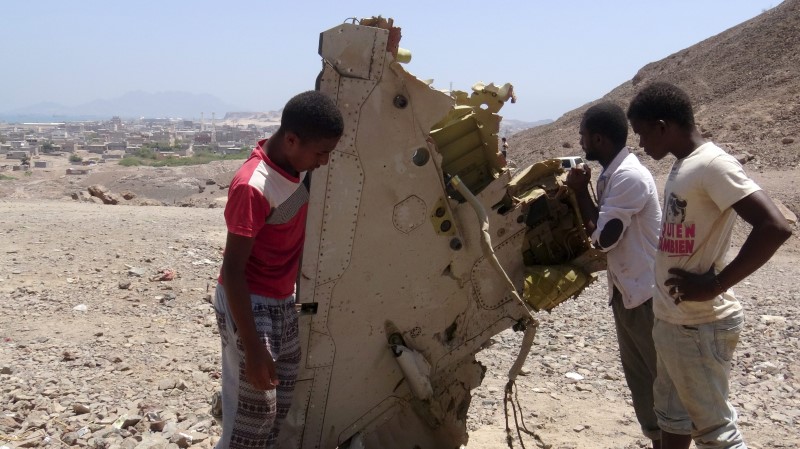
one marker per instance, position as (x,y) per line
(677,236)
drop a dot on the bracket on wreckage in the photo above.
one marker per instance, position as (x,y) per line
(421,245)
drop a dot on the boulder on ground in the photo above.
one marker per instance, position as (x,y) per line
(103,193)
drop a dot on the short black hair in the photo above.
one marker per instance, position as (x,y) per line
(662,101)
(607,119)
(312,115)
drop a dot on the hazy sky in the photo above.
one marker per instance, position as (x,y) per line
(257,54)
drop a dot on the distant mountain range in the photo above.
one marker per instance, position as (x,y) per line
(130,105)
(509,127)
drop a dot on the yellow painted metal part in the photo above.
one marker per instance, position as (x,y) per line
(467,136)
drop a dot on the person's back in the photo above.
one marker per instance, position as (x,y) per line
(630,261)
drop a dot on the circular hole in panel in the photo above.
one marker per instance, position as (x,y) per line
(421,157)
(400,101)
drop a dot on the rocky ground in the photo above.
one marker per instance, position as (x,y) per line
(107,337)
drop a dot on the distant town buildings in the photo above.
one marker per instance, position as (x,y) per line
(115,138)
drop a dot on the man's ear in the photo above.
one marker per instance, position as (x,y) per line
(291,140)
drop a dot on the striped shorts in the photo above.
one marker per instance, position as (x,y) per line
(251,418)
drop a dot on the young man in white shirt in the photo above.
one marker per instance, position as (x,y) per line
(698,318)
(625,225)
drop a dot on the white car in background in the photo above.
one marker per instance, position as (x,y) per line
(568,162)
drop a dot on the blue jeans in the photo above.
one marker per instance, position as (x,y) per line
(691,389)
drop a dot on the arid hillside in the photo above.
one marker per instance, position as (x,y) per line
(745,84)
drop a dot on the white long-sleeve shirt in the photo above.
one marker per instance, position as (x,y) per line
(627,192)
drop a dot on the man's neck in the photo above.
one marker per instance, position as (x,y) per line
(278,158)
(692,142)
(607,161)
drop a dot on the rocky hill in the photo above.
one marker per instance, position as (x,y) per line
(745,85)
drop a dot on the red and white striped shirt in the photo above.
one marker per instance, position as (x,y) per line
(270,205)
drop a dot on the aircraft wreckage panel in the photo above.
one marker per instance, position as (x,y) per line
(400,285)
(347,47)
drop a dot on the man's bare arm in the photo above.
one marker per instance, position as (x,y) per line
(578,180)
(770,231)
(259,366)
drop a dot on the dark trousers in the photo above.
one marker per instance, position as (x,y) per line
(639,359)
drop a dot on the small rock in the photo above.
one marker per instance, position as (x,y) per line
(8,424)
(779,417)
(130,443)
(125,421)
(80,409)
(786,212)
(573,376)
(773,320)
(135,271)
(183,440)
(131,421)
(32,439)
(767,367)
(70,438)
(167,384)
(124,285)
(6,370)
(166,298)
(787,140)
(744,158)
(170,428)
(81,308)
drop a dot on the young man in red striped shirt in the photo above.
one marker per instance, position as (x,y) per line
(265,217)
